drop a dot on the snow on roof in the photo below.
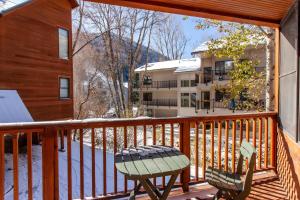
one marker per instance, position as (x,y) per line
(183,65)
(12,108)
(6,5)
(204,46)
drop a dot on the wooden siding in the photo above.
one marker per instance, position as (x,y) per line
(29,60)
(267,12)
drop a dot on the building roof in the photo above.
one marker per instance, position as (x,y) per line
(183,65)
(263,13)
(12,108)
(9,5)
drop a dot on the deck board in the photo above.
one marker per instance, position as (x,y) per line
(265,187)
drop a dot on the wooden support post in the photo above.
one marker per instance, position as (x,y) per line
(2,166)
(274,142)
(50,165)
(185,148)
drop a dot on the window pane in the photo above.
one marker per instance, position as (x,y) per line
(185,83)
(185,100)
(193,99)
(63,43)
(64,88)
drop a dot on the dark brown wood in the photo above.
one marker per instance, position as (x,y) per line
(197,151)
(50,165)
(254,138)
(226,145)
(115,169)
(69,155)
(16,166)
(29,164)
(273,142)
(212,144)
(259,142)
(125,146)
(163,135)
(145,135)
(29,61)
(247,136)
(219,144)
(172,135)
(185,146)
(104,161)
(81,164)
(241,131)
(93,163)
(233,145)
(154,143)
(203,149)
(2,167)
(263,13)
(266,159)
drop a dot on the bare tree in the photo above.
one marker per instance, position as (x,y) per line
(170,39)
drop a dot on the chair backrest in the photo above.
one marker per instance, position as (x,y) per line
(247,151)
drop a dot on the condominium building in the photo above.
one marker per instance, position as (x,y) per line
(190,87)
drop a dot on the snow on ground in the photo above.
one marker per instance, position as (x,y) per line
(63,175)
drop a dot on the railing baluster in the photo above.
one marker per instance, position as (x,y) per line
(259,142)
(172,135)
(104,160)
(254,138)
(145,135)
(93,163)
(2,166)
(226,145)
(81,164)
(163,134)
(233,145)
(154,143)
(135,145)
(115,169)
(197,150)
(219,144)
(247,137)
(16,165)
(204,149)
(125,146)
(212,143)
(69,149)
(29,164)
(266,143)
(241,131)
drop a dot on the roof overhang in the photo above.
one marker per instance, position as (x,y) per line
(263,12)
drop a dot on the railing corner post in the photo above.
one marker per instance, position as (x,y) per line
(274,142)
(50,164)
(185,149)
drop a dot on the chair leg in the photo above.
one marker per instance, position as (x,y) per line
(218,195)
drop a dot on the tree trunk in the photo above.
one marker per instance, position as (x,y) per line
(269,73)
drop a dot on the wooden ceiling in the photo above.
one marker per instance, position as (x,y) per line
(260,12)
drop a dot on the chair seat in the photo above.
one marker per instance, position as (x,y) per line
(224,180)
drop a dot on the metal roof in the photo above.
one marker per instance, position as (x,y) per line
(12,108)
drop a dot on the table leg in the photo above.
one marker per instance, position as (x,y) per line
(169,187)
(135,191)
(154,193)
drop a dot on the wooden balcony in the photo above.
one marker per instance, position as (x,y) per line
(207,141)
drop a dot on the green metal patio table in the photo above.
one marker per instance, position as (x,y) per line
(145,162)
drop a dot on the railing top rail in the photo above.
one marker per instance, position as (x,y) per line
(100,122)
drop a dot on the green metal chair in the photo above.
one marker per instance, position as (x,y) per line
(231,185)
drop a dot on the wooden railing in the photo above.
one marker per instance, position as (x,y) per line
(207,141)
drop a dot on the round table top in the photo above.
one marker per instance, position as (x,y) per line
(150,161)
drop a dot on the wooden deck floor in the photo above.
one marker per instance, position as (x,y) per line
(265,187)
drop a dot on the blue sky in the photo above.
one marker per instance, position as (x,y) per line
(195,36)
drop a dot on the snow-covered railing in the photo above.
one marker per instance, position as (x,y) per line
(86,167)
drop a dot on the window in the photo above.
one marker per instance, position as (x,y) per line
(63,43)
(64,88)
(205,100)
(185,83)
(193,100)
(223,67)
(219,96)
(147,80)
(193,83)
(207,75)
(185,99)
(197,78)
(147,96)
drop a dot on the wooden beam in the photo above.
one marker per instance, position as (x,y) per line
(276,69)
(170,7)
